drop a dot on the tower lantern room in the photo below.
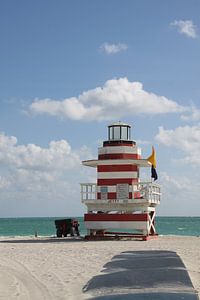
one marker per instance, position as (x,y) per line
(119,199)
(119,132)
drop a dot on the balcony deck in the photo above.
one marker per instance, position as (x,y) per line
(149,196)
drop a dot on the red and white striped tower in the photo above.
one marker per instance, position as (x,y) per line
(119,200)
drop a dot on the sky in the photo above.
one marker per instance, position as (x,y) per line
(68,69)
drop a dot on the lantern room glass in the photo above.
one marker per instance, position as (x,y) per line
(124,133)
(119,132)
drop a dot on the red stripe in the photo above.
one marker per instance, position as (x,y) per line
(117,168)
(119,156)
(111,195)
(119,143)
(115,217)
(137,195)
(116,181)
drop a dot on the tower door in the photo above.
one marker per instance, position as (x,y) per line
(122,191)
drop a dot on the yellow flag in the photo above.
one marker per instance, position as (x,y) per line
(152,158)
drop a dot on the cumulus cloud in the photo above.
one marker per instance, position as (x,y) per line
(176,191)
(32,176)
(57,155)
(116,99)
(192,115)
(178,184)
(185,27)
(184,138)
(113,48)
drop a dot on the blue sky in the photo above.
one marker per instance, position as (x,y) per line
(70,68)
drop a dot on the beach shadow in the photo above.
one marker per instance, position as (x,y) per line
(155,275)
(149,296)
(42,240)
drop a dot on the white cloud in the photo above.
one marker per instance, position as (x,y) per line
(57,155)
(113,48)
(193,115)
(186,27)
(185,138)
(181,184)
(32,176)
(180,194)
(116,99)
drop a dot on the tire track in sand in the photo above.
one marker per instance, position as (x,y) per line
(17,282)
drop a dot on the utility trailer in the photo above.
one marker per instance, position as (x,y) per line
(67,226)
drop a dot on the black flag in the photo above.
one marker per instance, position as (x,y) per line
(154,173)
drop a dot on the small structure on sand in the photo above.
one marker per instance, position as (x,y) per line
(120,204)
(67,226)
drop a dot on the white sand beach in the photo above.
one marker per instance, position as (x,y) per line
(49,268)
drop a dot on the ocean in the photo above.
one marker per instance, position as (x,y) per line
(13,227)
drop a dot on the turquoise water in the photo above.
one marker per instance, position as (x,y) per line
(45,226)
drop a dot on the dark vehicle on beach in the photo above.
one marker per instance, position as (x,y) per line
(67,226)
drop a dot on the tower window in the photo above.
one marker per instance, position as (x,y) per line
(124,133)
(119,131)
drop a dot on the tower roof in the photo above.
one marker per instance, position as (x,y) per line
(119,123)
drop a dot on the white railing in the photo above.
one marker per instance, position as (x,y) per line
(148,191)
(88,191)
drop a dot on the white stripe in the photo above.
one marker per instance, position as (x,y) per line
(112,175)
(142,225)
(95,162)
(119,149)
(112,188)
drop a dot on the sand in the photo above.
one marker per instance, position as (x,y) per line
(51,268)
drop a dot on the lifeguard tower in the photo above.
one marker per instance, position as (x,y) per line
(119,200)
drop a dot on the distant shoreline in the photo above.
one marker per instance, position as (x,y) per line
(183,226)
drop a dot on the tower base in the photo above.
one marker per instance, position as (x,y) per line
(102,236)
(114,225)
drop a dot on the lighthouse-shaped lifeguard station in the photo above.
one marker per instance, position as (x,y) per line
(120,203)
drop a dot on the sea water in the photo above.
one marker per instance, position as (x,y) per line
(189,226)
